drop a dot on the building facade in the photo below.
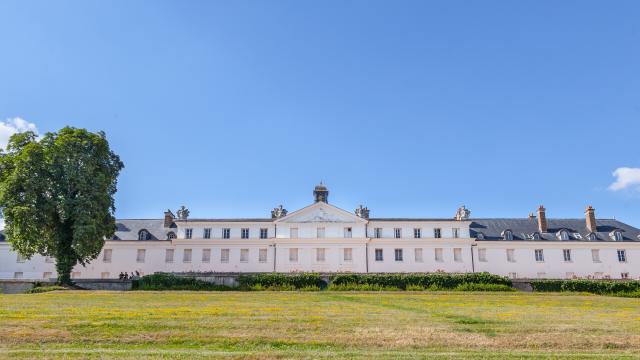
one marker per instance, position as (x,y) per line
(324,238)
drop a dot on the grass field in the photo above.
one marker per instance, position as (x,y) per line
(188,325)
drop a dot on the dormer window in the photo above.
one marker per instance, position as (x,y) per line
(507,235)
(563,235)
(616,235)
(535,236)
(577,236)
(592,237)
(171,235)
(480,236)
(143,234)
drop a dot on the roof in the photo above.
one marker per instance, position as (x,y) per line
(229,220)
(523,229)
(413,219)
(128,229)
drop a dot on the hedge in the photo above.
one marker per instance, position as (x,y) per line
(161,281)
(590,286)
(275,280)
(431,280)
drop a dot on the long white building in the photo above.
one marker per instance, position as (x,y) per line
(324,238)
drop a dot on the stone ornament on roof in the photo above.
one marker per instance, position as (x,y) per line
(362,212)
(278,212)
(463,213)
(183,213)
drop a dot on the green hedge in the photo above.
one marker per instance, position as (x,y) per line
(590,286)
(441,281)
(160,281)
(274,280)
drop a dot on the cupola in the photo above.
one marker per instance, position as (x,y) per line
(321,193)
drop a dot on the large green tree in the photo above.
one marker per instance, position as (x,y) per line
(56,195)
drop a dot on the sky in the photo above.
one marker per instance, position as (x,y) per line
(411,108)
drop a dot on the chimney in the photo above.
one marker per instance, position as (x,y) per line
(590,214)
(168,218)
(542,219)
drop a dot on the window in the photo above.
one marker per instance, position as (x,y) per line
(563,235)
(417,233)
(535,236)
(455,232)
(624,275)
(320,232)
(106,255)
(49,259)
(224,255)
(437,233)
(566,253)
(264,233)
(188,233)
(513,275)
(511,257)
(348,232)
(141,255)
(168,255)
(320,255)
(570,275)
(398,253)
(293,255)
(293,233)
(507,235)
(20,258)
(348,254)
(244,233)
(206,234)
(592,237)
(480,236)
(186,255)
(171,235)
(397,233)
(244,255)
(438,253)
(379,255)
(104,275)
(47,275)
(482,254)
(595,255)
(377,233)
(542,275)
(417,252)
(457,254)
(18,275)
(206,255)
(617,235)
(226,233)
(539,255)
(262,255)
(622,255)
(143,235)
(577,236)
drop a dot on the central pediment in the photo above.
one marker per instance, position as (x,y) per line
(321,213)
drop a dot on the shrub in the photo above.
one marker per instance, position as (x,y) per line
(483,287)
(441,281)
(269,280)
(361,287)
(161,281)
(42,289)
(608,287)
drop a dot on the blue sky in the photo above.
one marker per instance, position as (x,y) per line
(411,108)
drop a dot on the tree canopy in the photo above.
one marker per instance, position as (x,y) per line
(56,195)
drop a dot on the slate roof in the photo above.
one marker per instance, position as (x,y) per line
(523,229)
(412,219)
(128,229)
(230,220)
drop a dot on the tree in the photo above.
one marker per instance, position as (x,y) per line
(56,195)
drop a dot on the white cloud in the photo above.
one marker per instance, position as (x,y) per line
(626,178)
(13,126)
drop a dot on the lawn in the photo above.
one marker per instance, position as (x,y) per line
(188,325)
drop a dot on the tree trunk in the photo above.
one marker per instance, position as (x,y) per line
(65,261)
